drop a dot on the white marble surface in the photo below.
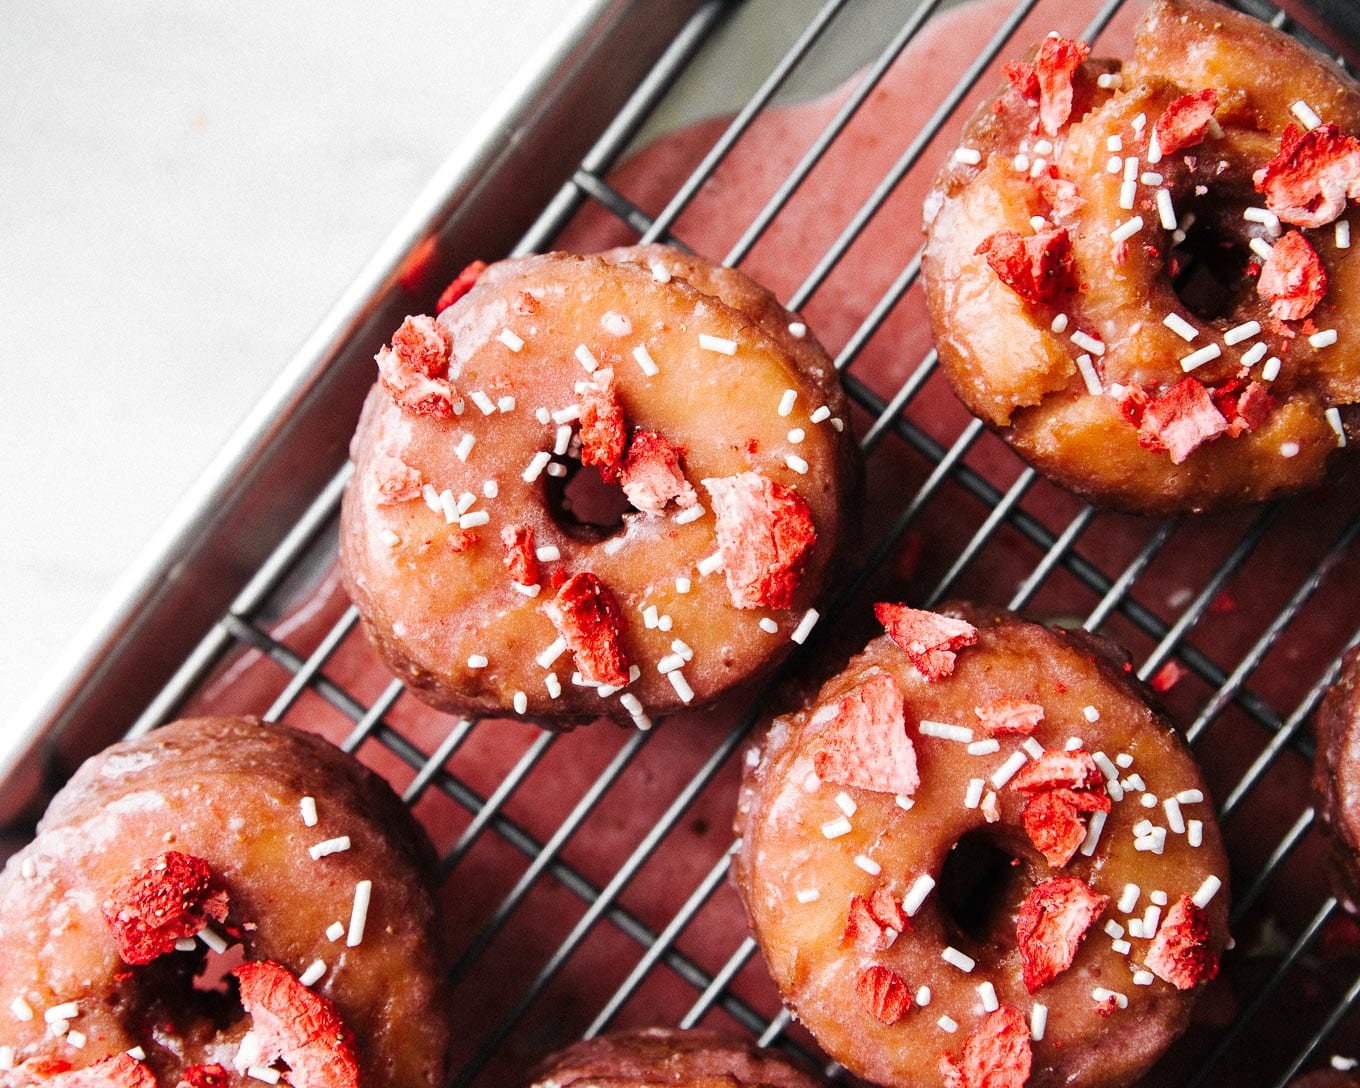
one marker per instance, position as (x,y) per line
(185,188)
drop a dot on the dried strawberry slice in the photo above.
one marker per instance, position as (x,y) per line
(588,618)
(1023,78)
(1052,820)
(651,475)
(1009,717)
(1038,267)
(1309,181)
(204,1076)
(115,1071)
(1167,677)
(1180,952)
(1074,770)
(1055,66)
(1185,121)
(869,918)
(169,898)
(397,481)
(460,540)
(461,285)
(1053,920)
(1180,420)
(603,432)
(765,538)
(414,369)
(928,638)
(996,1055)
(520,558)
(865,742)
(302,1028)
(1244,405)
(1292,278)
(884,993)
(1061,195)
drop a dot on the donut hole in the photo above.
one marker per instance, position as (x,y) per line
(982,883)
(585,505)
(1209,268)
(194,990)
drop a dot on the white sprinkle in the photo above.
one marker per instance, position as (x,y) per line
(1261,248)
(987,992)
(1100,993)
(521,702)
(1306,115)
(1343,234)
(1131,168)
(448,506)
(709,563)
(1244,331)
(67,1010)
(528,591)
(76,1039)
(1151,177)
(1114,143)
(1194,832)
(264,1073)
(660,272)
(185,944)
(923,996)
(837,424)
(984,747)
(1093,833)
(482,401)
(1059,323)
(1088,374)
(1106,81)
(328,847)
(552,653)
(1159,897)
(1114,929)
(477,661)
(569,414)
(916,894)
(586,359)
(683,585)
(797,435)
(786,402)
(1265,217)
(797,330)
(28,868)
(805,626)
(58,1028)
(718,344)
(1038,167)
(903,802)
(681,647)
(845,803)
(1090,713)
(1142,978)
(1033,748)
(1289,449)
(308,808)
(1166,211)
(1196,359)
(6,1057)
(645,361)
(1139,122)
(690,513)
(1154,151)
(388,537)
(1207,891)
(1148,800)
(1123,233)
(505,404)
(464,447)
(649,616)
(669,664)
(1254,354)
(681,685)
(1142,828)
(536,466)
(1115,165)
(335,931)
(1073,743)
(1271,370)
(542,415)
(834,829)
(973,796)
(796,463)
(1037,223)
(474,520)
(870,866)
(581,682)
(314,971)
(1174,820)
(553,685)
(363,892)
(1006,771)
(562,440)
(948,1023)
(1324,338)
(1121,947)
(1038,1013)
(1128,195)
(807,895)
(1128,899)
(1020,162)
(559,470)
(821,414)
(945,731)
(511,340)
(212,939)
(1088,343)
(1343,1064)
(1043,147)
(1152,918)
(969,156)
(955,958)
(768,626)
(1123,759)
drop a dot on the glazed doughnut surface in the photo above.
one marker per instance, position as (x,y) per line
(1336,776)
(1109,198)
(855,890)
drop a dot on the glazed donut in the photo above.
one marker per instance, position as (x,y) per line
(1336,777)
(667,1056)
(979,854)
(1326,1078)
(1139,273)
(185,851)
(595,486)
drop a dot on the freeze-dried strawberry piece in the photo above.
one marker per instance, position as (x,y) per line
(588,618)
(1292,278)
(868,920)
(397,481)
(996,1055)
(651,475)
(1312,177)
(1180,953)
(460,540)
(765,538)
(1180,420)
(1056,64)
(1167,677)
(1245,405)
(1056,769)
(1062,196)
(603,433)
(1037,267)
(520,558)
(1185,121)
(1009,717)
(414,369)
(1024,79)
(1052,820)
(461,285)
(204,1076)
(883,993)
(1053,920)
(928,638)
(865,742)
(1133,404)
(169,898)
(115,1071)
(291,1022)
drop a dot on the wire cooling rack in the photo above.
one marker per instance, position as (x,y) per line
(585,875)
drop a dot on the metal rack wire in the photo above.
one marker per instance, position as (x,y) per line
(626,948)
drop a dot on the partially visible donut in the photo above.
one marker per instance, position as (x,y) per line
(1140,274)
(232,834)
(979,853)
(1326,1078)
(1336,777)
(667,1056)
(711,427)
